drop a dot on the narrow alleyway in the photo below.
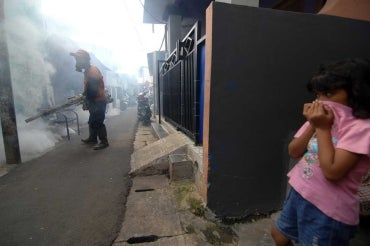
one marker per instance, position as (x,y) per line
(72,195)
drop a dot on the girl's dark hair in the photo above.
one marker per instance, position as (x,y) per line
(352,75)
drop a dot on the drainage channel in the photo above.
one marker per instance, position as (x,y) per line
(144,190)
(142,239)
(147,239)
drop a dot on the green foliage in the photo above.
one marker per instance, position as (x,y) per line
(181,192)
(196,206)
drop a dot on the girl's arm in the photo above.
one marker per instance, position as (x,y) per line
(297,147)
(335,163)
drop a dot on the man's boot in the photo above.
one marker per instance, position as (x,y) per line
(102,133)
(92,139)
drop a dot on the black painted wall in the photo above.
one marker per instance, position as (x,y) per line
(261,61)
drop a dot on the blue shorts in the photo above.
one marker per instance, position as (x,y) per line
(302,222)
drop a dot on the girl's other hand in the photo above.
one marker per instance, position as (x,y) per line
(318,114)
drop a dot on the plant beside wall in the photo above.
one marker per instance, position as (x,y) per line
(192,212)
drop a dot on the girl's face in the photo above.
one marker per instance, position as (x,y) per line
(336,95)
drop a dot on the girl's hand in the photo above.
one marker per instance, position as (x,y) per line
(319,115)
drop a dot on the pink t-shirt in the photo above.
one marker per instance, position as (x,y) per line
(338,200)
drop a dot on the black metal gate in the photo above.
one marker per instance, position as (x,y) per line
(180,83)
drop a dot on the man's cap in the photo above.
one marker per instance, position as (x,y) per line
(80,53)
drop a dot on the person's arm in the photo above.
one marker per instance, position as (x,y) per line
(102,87)
(85,85)
(297,147)
(334,163)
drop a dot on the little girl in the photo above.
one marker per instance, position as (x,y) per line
(334,146)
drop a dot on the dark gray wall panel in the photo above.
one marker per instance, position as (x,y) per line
(261,61)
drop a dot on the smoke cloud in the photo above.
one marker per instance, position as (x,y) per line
(43,75)
(30,74)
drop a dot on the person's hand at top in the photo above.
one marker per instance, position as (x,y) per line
(319,115)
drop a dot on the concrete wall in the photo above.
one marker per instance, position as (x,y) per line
(257,64)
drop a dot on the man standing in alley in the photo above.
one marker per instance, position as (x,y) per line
(94,91)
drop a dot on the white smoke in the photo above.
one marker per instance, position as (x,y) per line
(30,75)
(29,71)
(36,137)
(27,31)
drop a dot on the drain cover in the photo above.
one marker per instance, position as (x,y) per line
(143,239)
(143,190)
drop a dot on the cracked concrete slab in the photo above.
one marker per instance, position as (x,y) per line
(154,156)
(150,211)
